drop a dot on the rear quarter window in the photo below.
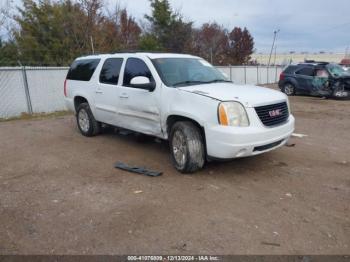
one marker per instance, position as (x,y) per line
(306,71)
(290,69)
(82,70)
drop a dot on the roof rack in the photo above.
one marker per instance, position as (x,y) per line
(139,51)
(315,62)
(131,51)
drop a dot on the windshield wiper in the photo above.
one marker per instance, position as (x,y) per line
(188,82)
(218,80)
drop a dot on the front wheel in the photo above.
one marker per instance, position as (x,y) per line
(288,89)
(187,147)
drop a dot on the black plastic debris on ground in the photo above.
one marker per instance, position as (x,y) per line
(290,145)
(138,170)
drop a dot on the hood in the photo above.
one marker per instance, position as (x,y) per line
(249,96)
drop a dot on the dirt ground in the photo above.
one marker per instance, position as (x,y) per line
(59,192)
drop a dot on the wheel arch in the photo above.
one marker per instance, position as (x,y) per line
(172,119)
(79,100)
(292,81)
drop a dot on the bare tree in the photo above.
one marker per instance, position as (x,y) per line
(211,43)
(5,17)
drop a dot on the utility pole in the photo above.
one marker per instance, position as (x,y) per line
(273,44)
(274,61)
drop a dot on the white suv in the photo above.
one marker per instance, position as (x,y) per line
(181,98)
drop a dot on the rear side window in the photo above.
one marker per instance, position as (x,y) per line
(306,71)
(290,69)
(82,70)
(135,67)
(110,71)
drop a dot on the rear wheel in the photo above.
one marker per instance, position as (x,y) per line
(87,124)
(288,89)
(187,147)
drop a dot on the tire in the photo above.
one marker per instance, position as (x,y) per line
(86,122)
(335,96)
(186,147)
(288,89)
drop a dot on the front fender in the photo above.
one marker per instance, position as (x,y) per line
(201,109)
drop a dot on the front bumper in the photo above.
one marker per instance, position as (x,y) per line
(231,142)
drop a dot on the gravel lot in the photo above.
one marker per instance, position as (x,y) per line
(59,192)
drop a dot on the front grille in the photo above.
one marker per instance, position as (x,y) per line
(272,115)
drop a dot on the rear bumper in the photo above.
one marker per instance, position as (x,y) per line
(280,83)
(232,142)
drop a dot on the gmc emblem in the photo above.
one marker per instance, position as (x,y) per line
(276,112)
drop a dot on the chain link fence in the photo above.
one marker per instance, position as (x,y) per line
(40,89)
(45,86)
(252,75)
(13,98)
(31,90)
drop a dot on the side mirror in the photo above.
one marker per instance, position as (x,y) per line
(142,82)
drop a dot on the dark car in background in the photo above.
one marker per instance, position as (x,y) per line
(345,63)
(315,78)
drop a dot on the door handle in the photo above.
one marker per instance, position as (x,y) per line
(99,91)
(124,95)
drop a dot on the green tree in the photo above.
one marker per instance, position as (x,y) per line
(169,28)
(48,32)
(8,53)
(149,42)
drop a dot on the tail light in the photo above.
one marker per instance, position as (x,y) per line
(65,88)
(282,76)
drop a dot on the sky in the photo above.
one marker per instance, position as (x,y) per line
(305,25)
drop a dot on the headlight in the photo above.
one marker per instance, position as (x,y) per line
(232,114)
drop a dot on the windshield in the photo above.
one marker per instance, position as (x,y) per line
(187,71)
(337,70)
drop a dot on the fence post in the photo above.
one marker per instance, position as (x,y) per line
(231,72)
(267,75)
(276,75)
(257,74)
(26,90)
(245,75)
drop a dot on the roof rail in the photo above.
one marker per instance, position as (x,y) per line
(315,62)
(138,51)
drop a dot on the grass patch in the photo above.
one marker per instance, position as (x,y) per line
(26,116)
